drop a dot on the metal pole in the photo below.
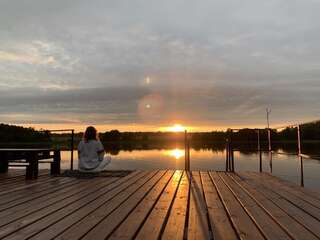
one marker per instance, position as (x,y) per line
(259,150)
(300,156)
(270,149)
(268,110)
(72,147)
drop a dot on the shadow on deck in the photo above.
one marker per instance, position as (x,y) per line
(157,204)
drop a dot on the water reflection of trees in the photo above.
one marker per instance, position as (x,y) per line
(245,148)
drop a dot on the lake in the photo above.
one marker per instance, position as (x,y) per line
(284,166)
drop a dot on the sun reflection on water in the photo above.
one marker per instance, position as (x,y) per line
(176,153)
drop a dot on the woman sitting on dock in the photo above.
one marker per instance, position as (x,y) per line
(91,152)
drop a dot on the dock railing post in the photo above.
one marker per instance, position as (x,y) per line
(227,154)
(231,152)
(187,151)
(72,148)
(259,150)
(270,149)
(300,156)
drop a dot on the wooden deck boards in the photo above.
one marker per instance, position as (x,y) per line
(164,204)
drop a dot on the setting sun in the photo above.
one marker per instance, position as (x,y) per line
(176,128)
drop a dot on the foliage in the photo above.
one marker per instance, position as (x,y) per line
(16,134)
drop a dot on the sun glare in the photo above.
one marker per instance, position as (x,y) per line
(176,128)
(176,153)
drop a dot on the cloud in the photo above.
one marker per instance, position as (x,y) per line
(217,105)
(24,58)
(210,61)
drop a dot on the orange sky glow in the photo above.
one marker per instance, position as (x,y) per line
(135,127)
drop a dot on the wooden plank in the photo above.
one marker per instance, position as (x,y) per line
(299,215)
(154,205)
(12,173)
(27,185)
(175,226)
(87,223)
(19,181)
(11,200)
(155,221)
(35,187)
(6,188)
(19,211)
(269,228)
(198,226)
(221,225)
(245,227)
(309,204)
(22,173)
(18,173)
(111,222)
(63,224)
(26,226)
(287,223)
(313,194)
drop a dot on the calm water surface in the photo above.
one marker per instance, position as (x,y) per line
(285,167)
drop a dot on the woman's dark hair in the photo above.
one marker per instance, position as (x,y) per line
(90,134)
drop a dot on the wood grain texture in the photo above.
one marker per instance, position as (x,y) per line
(160,204)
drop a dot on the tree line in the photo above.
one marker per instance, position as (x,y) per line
(11,135)
(16,134)
(310,131)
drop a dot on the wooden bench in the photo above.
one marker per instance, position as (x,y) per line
(30,159)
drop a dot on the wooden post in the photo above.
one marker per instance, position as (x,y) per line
(300,156)
(270,149)
(72,148)
(227,155)
(259,151)
(231,152)
(186,151)
(228,152)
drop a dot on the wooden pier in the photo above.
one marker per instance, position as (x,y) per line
(163,204)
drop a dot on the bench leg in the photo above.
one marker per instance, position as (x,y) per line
(32,168)
(36,169)
(4,163)
(29,172)
(55,165)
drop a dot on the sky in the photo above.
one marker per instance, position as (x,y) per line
(142,65)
